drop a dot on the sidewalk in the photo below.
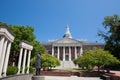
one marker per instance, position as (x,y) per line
(116,73)
(70,78)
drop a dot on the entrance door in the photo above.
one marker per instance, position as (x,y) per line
(66,57)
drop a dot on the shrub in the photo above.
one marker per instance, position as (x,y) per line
(31,69)
(11,70)
(26,69)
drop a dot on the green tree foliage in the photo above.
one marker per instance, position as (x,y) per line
(96,57)
(37,48)
(49,60)
(26,34)
(22,33)
(112,34)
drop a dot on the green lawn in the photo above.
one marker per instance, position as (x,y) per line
(69,70)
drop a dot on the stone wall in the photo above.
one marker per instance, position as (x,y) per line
(79,74)
(18,77)
(49,73)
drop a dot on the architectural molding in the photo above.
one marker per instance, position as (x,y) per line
(25,45)
(4,32)
(24,51)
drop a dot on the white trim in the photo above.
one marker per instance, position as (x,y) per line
(25,45)
(7,34)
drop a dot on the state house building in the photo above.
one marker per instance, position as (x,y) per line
(66,49)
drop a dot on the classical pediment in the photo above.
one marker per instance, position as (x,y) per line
(66,40)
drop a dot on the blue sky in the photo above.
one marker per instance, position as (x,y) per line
(50,17)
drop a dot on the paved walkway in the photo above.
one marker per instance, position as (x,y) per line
(71,78)
(117,73)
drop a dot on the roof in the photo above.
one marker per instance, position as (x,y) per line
(69,40)
(66,40)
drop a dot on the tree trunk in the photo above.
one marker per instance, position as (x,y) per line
(98,68)
(108,70)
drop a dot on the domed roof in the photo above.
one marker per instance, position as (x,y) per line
(67,33)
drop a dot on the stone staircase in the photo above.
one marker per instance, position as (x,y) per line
(66,65)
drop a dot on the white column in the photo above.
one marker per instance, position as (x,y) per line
(3,56)
(58,55)
(20,59)
(1,47)
(81,51)
(69,53)
(53,51)
(6,59)
(28,62)
(75,52)
(24,61)
(63,53)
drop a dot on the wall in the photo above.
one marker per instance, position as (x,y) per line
(18,77)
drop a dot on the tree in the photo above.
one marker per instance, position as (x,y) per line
(21,34)
(102,58)
(112,34)
(85,59)
(49,60)
(37,48)
(96,57)
(26,34)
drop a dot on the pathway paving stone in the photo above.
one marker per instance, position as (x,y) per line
(71,78)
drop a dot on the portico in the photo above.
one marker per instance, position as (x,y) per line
(66,52)
(25,53)
(6,39)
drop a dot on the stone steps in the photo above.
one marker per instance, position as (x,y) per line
(66,65)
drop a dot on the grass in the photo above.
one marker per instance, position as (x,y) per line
(69,70)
